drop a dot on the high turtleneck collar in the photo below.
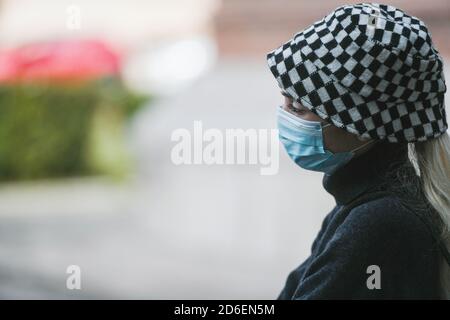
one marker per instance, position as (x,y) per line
(365,171)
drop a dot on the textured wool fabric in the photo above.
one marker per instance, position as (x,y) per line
(380,231)
(369,68)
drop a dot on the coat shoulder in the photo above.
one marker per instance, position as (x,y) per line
(387,218)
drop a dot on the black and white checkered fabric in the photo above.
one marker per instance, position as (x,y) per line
(369,68)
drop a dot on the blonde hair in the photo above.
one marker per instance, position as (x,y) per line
(431,160)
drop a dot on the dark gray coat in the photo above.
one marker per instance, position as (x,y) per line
(381,218)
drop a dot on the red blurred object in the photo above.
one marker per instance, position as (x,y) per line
(74,60)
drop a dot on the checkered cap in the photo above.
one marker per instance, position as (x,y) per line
(369,68)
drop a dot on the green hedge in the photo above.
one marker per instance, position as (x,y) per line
(64,130)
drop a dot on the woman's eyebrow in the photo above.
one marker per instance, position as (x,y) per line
(289,97)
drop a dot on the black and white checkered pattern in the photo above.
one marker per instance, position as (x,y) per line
(369,68)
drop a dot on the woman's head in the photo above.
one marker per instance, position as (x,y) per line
(370,69)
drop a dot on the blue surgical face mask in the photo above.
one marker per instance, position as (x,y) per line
(303,141)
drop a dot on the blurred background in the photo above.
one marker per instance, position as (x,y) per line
(90,93)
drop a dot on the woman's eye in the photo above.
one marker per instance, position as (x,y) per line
(295,110)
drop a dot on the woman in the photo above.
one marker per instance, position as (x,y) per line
(364,103)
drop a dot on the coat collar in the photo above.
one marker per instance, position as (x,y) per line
(364,172)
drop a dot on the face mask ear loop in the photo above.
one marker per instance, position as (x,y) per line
(363,145)
(326,125)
